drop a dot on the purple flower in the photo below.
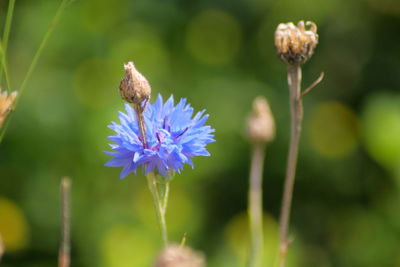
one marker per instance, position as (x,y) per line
(174,136)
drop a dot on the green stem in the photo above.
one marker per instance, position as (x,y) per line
(255,206)
(43,43)
(35,59)
(6,34)
(296,110)
(165,197)
(158,205)
(4,65)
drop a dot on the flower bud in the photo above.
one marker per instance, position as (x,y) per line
(295,45)
(178,256)
(6,104)
(134,87)
(261,124)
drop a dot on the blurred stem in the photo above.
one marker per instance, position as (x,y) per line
(6,34)
(255,205)
(296,111)
(165,197)
(159,204)
(43,43)
(54,22)
(4,65)
(64,253)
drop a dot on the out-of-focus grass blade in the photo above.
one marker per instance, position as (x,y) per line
(6,35)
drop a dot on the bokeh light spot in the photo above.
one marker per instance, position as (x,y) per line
(363,239)
(333,130)
(213,37)
(95,83)
(381,128)
(141,44)
(238,239)
(126,246)
(100,15)
(13,226)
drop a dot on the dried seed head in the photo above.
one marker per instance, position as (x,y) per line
(1,247)
(6,104)
(134,87)
(261,124)
(295,44)
(177,256)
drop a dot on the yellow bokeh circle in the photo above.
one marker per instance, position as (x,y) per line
(333,129)
(13,226)
(213,37)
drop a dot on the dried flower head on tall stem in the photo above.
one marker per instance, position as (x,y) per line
(180,256)
(260,131)
(6,104)
(1,248)
(295,45)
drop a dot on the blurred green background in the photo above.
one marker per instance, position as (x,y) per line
(220,55)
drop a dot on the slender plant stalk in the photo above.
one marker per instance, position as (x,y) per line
(165,197)
(5,67)
(296,110)
(159,205)
(54,22)
(142,126)
(255,206)
(42,45)
(159,194)
(64,253)
(6,34)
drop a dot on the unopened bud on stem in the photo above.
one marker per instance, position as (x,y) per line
(178,256)
(6,104)
(296,44)
(134,87)
(261,124)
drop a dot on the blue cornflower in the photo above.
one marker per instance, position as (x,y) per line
(173,138)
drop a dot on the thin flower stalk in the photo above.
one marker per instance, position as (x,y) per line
(260,130)
(255,206)
(6,34)
(296,111)
(160,202)
(64,257)
(159,205)
(38,53)
(5,67)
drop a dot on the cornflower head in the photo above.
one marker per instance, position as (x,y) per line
(173,136)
